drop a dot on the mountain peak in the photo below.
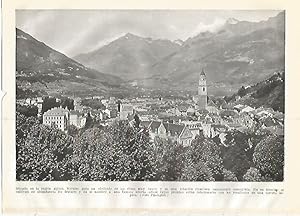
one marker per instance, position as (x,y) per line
(232,21)
(179,42)
(130,35)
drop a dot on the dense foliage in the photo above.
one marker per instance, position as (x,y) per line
(93,103)
(123,151)
(25,93)
(268,93)
(268,157)
(51,102)
(27,110)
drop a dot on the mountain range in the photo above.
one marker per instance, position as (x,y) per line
(238,53)
(41,68)
(128,57)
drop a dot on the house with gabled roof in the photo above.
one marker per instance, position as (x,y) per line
(178,132)
(211,107)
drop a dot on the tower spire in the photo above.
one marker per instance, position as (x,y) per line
(202,91)
(202,72)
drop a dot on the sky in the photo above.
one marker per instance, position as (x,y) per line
(79,31)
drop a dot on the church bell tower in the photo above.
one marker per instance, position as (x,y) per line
(202,92)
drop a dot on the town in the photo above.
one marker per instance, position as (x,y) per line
(178,119)
(145,104)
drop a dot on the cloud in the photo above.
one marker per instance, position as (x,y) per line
(78,31)
(211,27)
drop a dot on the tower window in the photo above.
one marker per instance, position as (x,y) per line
(203,88)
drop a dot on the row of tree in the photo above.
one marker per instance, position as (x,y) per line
(121,152)
(51,102)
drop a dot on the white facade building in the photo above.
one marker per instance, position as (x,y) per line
(57,116)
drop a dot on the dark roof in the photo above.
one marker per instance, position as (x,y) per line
(234,125)
(145,124)
(219,126)
(270,122)
(154,126)
(211,103)
(228,113)
(74,112)
(173,129)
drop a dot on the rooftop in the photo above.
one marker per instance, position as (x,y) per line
(154,126)
(74,112)
(126,108)
(56,112)
(173,129)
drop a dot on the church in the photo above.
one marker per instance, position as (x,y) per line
(201,98)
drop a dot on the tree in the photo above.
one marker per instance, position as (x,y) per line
(197,172)
(229,176)
(73,130)
(90,154)
(137,121)
(27,110)
(242,91)
(252,175)
(93,103)
(169,157)
(67,103)
(23,126)
(25,93)
(205,151)
(119,152)
(44,155)
(48,103)
(236,160)
(268,157)
(119,105)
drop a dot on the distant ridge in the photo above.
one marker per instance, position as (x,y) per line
(239,53)
(41,66)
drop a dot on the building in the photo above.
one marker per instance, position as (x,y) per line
(194,126)
(213,130)
(125,111)
(97,114)
(57,116)
(190,111)
(177,132)
(77,119)
(247,109)
(39,105)
(201,98)
(111,113)
(243,108)
(212,108)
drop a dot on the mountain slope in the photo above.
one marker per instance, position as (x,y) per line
(129,56)
(42,68)
(239,53)
(267,93)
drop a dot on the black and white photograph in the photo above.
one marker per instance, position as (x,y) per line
(150,95)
